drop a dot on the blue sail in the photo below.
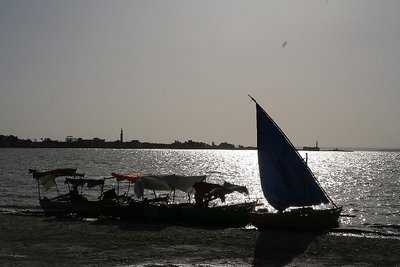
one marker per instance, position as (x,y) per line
(285,178)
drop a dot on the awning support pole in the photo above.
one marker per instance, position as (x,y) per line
(57,189)
(38,186)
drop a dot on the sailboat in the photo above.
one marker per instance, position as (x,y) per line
(288,184)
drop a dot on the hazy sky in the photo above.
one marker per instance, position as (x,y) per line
(179,70)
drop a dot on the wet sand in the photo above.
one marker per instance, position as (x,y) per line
(47,241)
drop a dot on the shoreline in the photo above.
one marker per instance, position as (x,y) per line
(39,240)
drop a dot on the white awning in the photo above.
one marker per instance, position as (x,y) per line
(166,183)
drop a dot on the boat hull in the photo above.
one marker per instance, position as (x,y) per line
(300,219)
(56,208)
(92,209)
(231,215)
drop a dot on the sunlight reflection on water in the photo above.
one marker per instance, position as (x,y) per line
(367,184)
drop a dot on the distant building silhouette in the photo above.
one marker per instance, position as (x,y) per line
(70,139)
(72,142)
(310,148)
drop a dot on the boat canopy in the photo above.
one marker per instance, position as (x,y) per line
(56,172)
(47,178)
(212,191)
(81,182)
(285,178)
(166,183)
(131,177)
(230,188)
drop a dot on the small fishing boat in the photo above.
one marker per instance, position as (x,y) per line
(198,213)
(163,207)
(202,213)
(288,184)
(108,203)
(62,203)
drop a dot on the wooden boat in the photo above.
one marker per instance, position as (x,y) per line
(108,203)
(161,209)
(288,184)
(61,204)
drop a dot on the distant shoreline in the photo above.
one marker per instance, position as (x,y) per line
(353,149)
(11,141)
(14,142)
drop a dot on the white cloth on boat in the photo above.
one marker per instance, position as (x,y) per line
(47,181)
(183,183)
(166,183)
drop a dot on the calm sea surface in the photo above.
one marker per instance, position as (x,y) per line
(366,184)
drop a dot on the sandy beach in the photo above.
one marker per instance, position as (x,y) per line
(47,241)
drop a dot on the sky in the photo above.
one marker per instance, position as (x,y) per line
(324,70)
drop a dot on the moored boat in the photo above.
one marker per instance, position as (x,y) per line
(199,212)
(108,203)
(60,204)
(288,184)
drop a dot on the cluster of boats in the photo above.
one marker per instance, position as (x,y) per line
(160,207)
(288,185)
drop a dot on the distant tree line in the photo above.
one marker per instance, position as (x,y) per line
(14,141)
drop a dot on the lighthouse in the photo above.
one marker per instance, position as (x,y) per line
(121,136)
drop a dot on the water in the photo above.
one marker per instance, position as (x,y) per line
(366,184)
